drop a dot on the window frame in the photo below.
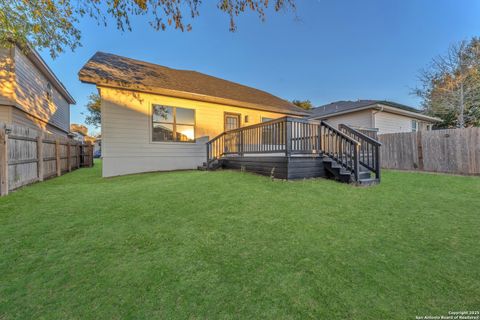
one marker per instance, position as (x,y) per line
(414,128)
(174,124)
(49,92)
(232,114)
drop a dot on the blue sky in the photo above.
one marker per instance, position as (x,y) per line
(328,50)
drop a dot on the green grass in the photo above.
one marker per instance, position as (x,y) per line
(234,245)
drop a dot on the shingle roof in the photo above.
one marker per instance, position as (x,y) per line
(120,72)
(344,106)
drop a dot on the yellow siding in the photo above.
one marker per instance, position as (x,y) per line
(126,132)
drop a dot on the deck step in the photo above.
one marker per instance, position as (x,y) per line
(213,165)
(368,182)
(342,174)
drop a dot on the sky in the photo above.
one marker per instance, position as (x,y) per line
(327,50)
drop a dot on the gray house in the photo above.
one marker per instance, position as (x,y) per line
(30,93)
(384,116)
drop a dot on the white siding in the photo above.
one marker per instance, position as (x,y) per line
(387,122)
(360,119)
(31,94)
(126,132)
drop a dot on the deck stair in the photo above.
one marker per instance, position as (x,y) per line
(347,155)
(339,173)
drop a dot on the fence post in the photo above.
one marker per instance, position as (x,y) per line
(420,150)
(69,162)
(3,162)
(40,156)
(79,150)
(58,164)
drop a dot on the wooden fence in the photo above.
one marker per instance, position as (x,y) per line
(450,151)
(28,156)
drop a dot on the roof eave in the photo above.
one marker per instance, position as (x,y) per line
(380,106)
(186,95)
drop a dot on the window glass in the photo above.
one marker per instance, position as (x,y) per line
(185,116)
(162,132)
(185,133)
(173,124)
(414,125)
(162,114)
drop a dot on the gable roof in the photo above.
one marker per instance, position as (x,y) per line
(342,107)
(105,69)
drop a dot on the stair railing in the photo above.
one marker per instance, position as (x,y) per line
(341,148)
(215,148)
(369,155)
(288,136)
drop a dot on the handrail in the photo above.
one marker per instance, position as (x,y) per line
(369,153)
(326,124)
(358,133)
(261,124)
(289,135)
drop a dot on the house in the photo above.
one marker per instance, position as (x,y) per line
(31,95)
(384,116)
(156,118)
(78,136)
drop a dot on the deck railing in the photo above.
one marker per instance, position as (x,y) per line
(369,153)
(288,136)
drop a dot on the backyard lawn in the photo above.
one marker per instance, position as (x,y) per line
(234,245)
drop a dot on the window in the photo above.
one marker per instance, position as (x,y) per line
(49,92)
(173,124)
(414,126)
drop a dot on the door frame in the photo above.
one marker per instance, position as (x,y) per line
(238,115)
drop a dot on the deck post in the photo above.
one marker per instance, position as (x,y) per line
(240,143)
(377,163)
(320,148)
(288,138)
(356,164)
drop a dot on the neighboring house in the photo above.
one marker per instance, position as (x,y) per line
(156,118)
(30,93)
(385,116)
(97,145)
(78,136)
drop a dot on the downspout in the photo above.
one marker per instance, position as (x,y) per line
(373,116)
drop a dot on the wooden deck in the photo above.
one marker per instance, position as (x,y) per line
(279,167)
(293,148)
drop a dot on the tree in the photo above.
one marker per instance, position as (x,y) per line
(93,117)
(304,104)
(451,85)
(74,127)
(51,24)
